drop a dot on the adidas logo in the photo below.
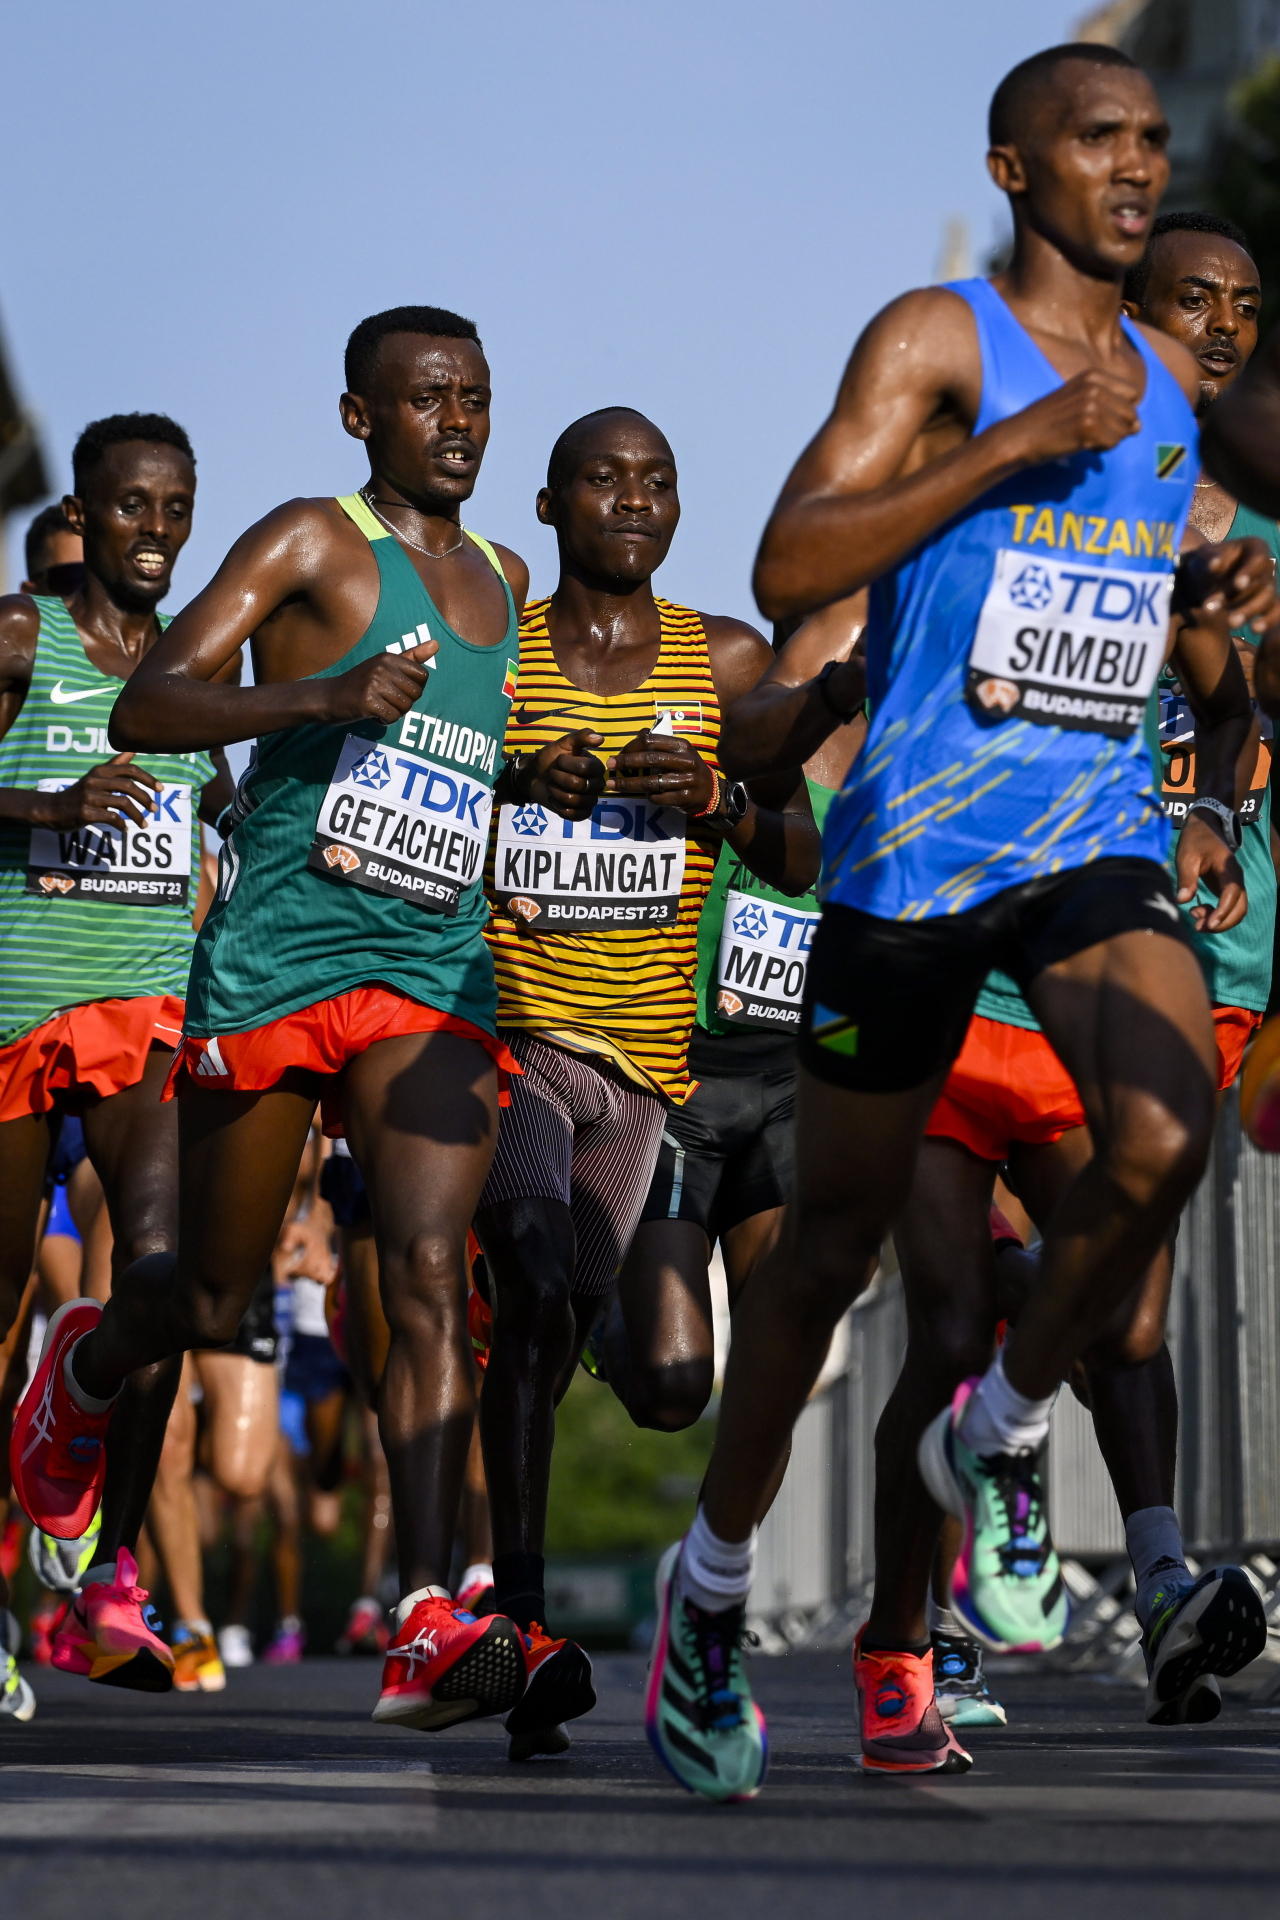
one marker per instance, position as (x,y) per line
(211,1065)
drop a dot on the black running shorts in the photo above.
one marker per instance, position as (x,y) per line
(256,1335)
(726,1154)
(887,1002)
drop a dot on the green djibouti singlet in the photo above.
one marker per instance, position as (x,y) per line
(356,855)
(96,912)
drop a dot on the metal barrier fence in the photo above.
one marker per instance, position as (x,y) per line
(816,1546)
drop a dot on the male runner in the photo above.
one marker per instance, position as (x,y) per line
(985,438)
(96,859)
(54,554)
(343,959)
(593,935)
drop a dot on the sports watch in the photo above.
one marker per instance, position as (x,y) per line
(1230,820)
(733,804)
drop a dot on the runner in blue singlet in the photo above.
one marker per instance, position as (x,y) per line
(1011,465)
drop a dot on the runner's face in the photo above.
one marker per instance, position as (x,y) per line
(617,517)
(426,418)
(135,518)
(1204,290)
(1091,165)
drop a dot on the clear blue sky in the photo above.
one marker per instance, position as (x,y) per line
(687,207)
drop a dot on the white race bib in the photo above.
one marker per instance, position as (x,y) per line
(623,867)
(128,866)
(1063,644)
(764,954)
(394,822)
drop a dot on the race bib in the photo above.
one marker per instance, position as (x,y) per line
(623,867)
(397,823)
(1068,645)
(1178,756)
(146,866)
(764,952)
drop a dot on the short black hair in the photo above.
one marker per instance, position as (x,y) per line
(1007,114)
(365,341)
(48,521)
(1138,278)
(115,430)
(562,465)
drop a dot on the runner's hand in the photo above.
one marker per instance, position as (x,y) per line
(1266,672)
(382,688)
(1237,577)
(565,777)
(1203,857)
(1090,413)
(100,797)
(665,768)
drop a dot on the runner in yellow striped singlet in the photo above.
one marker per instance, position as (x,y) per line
(594,938)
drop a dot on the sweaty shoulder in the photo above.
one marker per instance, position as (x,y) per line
(516,571)
(926,337)
(1177,358)
(739,655)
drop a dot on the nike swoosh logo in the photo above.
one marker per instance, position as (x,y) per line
(523,717)
(61,699)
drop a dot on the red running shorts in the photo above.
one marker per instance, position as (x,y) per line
(97,1049)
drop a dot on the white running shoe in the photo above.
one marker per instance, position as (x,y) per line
(235,1646)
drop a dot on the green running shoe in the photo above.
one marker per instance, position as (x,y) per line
(1195,1631)
(591,1359)
(61,1564)
(17,1702)
(1007,1586)
(960,1685)
(701,1720)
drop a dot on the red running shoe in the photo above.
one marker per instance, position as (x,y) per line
(57,1453)
(557,1688)
(902,1730)
(444,1665)
(10,1548)
(110,1635)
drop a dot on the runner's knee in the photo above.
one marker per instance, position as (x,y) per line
(670,1397)
(833,1262)
(1159,1155)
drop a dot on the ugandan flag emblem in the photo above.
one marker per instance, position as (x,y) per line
(1170,456)
(509,684)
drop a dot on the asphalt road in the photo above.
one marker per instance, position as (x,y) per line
(280,1797)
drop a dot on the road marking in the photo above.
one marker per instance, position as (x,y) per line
(33,1805)
(1225,1805)
(415,1775)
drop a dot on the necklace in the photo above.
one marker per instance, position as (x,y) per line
(417,545)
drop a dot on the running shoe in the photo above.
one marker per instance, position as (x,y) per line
(16,1697)
(476,1594)
(57,1454)
(961,1690)
(699,1715)
(1003,1232)
(284,1648)
(42,1629)
(366,1630)
(902,1729)
(60,1565)
(557,1688)
(196,1665)
(444,1665)
(1007,1585)
(1215,1625)
(591,1359)
(10,1547)
(111,1634)
(480,1328)
(235,1646)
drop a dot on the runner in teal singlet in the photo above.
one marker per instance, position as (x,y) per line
(98,864)
(343,960)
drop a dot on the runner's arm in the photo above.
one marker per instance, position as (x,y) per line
(1208,666)
(909,397)
(777,836)
(1240,437)
(174,701)
(787,716)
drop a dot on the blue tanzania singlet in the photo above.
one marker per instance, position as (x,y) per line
(1010,657)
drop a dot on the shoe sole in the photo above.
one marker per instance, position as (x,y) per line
(526,1746)
(1201,1702)
(565,1694)
(25,1709)
(1220,1631)
(140,1672)
(488,1678)
(201,1684)
(16,1474)
(970,1713)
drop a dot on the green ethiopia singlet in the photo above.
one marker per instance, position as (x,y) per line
(94,913)
(753,946)
(356,853)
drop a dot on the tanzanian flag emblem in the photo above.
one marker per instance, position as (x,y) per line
(509,684)
(1170,456)
(835,1031)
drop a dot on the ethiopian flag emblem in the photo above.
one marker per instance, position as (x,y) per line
(509,684)
(1170,455)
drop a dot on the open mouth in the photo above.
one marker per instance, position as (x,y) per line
(457,456)
(150,561)
(1219,363)
(1132,217)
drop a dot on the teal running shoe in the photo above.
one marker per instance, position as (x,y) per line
(60,1565)
(960,1685)
(1007,1586)
(699,1715)
(1196,1630)
(17,1702)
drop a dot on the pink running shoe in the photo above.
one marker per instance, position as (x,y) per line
(57,1454)
(110,1635)
(284,1649)
(366,1630)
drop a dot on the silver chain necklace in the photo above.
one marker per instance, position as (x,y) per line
(417,545)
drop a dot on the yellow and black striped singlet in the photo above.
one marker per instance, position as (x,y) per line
(627,994)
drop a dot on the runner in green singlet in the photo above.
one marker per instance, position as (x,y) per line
(98,862)
(725,1164)
(343,959)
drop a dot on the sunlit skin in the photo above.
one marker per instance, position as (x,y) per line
(60,551)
